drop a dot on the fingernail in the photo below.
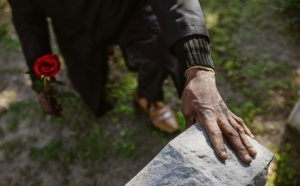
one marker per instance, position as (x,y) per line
(224,155)
(253,151)
(248,158)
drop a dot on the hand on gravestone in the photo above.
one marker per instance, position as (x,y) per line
(201,101)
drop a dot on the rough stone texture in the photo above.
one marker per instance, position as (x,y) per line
(190,160)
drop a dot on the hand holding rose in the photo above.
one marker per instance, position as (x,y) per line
(45,68)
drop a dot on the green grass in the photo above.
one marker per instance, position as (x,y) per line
(13,125)
(8,41)
(11,148)
(287,168)
(122,134)
(93,140)
(254,79)
(251,78)
(292,9)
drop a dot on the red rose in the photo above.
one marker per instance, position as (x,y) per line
(47,66)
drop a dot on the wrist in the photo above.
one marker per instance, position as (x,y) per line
(199,67)
(198,72)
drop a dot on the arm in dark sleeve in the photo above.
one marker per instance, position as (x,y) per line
(31,25)
(184,28)
(192,51)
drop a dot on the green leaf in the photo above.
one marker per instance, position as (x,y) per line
(53,85)
(38,85)
(59,82)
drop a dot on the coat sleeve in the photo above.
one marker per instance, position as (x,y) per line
(32,28)
(179,18)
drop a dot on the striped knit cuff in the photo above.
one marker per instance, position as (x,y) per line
(193,51)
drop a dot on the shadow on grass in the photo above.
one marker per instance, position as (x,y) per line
(288,164)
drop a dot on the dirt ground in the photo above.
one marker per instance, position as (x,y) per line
(131,141)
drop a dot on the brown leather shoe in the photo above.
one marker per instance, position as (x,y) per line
(160,114)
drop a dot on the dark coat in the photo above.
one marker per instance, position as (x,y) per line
(83,28)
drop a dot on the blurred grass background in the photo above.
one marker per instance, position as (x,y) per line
(255,48)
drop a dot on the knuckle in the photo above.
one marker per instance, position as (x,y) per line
(221,124)
(206,116)
(240,120)
(224,107)
(240,129)
(222,147)
(247,144)
(242,149)
(216,133)
(233,133)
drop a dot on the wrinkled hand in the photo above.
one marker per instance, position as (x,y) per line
(48,103)
(201,101)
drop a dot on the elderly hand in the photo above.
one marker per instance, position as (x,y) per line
(201,101)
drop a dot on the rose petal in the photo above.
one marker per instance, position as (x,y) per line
(47,65)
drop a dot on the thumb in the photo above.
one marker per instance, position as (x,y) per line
(189,122)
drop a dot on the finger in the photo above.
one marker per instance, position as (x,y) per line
(241,122)
(189,122)
(189,116)
(216,138)
(252,151)
(44,105)
(243,137)
(234,139)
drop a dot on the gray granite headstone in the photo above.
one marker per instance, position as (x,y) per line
(190,160)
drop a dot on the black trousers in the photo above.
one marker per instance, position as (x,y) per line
(145,52)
